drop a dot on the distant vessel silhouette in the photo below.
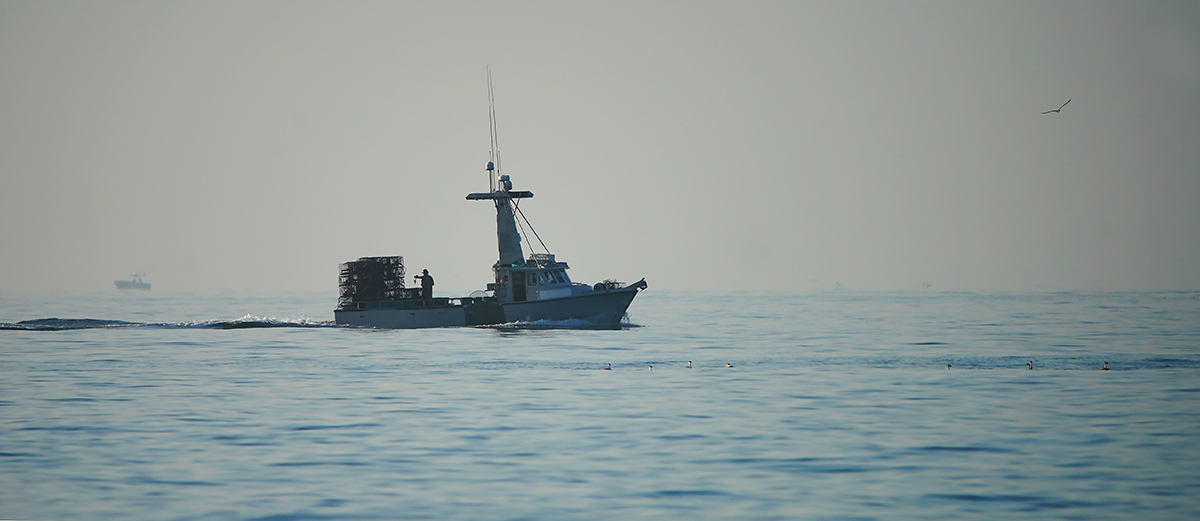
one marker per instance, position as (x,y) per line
(135,283)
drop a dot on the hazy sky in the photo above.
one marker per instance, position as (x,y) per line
(767,145)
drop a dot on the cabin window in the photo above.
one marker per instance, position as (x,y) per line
(559,277)
(542,280)
(531,279)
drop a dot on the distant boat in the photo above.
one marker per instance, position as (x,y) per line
(135,283)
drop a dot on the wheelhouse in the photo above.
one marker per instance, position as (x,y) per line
(539,277)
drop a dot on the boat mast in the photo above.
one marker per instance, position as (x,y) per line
(501,194)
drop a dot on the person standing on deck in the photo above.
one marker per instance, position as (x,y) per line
(426,286)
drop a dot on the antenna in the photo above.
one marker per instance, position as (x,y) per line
(491,136)
(495,154)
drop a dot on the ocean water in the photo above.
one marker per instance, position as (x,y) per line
(838,405)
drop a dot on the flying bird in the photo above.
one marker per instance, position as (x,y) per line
(1057,109)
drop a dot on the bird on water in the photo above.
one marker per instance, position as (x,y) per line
(689,364)
(1029,365)
(1057,110)
(609,368)
(651,368)
(728,365)
(1105,368)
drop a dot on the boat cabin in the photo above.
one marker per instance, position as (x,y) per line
(539,277)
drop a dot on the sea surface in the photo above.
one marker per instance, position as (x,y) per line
(824,405)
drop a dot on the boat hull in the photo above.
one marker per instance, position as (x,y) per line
(126,284)
(600,307)
(447,316)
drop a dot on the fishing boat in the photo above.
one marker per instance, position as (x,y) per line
(134,283)
(524,289)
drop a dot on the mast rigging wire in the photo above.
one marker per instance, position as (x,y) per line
(517,205)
